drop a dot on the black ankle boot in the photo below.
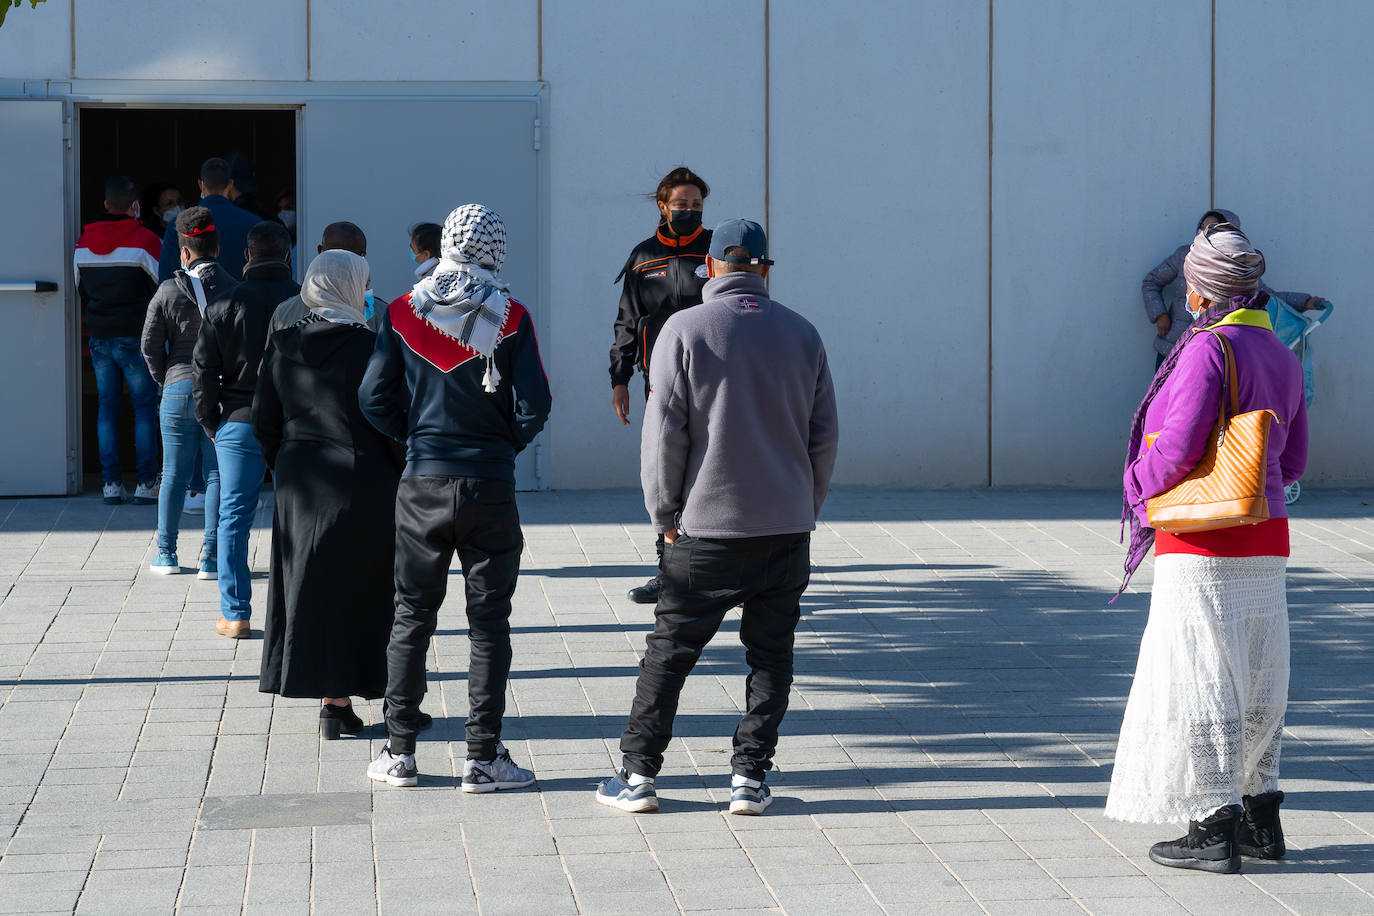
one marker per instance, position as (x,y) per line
(338,720)
(1209,846)
(1260,835)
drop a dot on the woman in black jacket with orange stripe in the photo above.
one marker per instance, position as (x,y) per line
(664,274)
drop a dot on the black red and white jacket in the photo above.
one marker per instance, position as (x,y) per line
(116,274)
(425,388)
(664,274)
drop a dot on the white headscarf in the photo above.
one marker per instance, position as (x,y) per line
(334,286)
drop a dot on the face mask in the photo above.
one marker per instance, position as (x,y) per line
(369,299)
(138,210)
(288,218)
(684,222)
(415,257)
(171,213)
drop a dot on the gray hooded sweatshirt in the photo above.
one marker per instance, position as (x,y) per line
(1170,271)
(740,431)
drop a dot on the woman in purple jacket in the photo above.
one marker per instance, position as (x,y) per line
(1200,738)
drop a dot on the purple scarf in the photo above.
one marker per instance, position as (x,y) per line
(1142,538)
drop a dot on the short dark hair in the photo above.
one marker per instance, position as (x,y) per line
(735,251)
(269,240)
(344,236)
(425,236)
(120,193)
(214,174)
(196,231)
(680,176)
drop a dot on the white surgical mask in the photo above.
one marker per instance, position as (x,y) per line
(171,213)
(288,218)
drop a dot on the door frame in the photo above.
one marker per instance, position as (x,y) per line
(233,94)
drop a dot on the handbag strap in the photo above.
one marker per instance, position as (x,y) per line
(1232,385)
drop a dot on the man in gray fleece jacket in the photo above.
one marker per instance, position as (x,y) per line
(739,440)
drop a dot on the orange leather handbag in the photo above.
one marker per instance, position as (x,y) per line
(1227,488)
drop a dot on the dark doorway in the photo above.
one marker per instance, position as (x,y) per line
(163,148)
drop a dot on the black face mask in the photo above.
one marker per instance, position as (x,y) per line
(684,222)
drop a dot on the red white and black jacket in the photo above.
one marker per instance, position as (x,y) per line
(424,388)
(116,274)
(663,275)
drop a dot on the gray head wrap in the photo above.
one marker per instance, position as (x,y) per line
(334,286)
(1222,264)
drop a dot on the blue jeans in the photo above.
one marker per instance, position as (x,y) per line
(183,441)
(240,481)
(118,360)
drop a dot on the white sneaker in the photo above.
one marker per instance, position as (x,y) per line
(113,493)
(498,773)
(195,503)
(394,769)
(145,494)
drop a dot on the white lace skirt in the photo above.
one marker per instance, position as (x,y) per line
(1205,715)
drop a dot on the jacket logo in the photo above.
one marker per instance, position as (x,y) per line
(702,272)
(656,274)
(747,304)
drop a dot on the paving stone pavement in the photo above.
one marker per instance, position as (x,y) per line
(960,682)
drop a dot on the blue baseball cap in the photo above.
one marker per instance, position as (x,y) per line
(740,233)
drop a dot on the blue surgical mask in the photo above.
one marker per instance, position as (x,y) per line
(369,304)
(415,257)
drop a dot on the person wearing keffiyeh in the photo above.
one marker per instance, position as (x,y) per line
(1202,728)
(456,376)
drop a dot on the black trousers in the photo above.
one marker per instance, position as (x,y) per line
(703,579)
(477,519)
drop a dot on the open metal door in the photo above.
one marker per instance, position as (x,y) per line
(36,452)
(386,164)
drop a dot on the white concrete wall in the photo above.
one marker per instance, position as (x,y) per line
(879,224)
(629,100)
(879,185)
(1100,169)
(1293,154)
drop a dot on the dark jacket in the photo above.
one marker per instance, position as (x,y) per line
(174,318)
(232,224)
(231,342)
(116,274)
(662,276)
(425,389)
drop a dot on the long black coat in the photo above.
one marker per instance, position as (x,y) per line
(330,595)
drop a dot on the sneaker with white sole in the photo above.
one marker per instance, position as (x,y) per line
(495,774)
(394,769)
(145,494)
(195,503)
(209,566)
(617,792)
(165,564)
(747,799)
(113,493)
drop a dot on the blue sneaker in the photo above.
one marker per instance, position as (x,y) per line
(749,799)
(165,564)
(617,792)
(209,567)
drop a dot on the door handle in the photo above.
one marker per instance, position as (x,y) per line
(33,286)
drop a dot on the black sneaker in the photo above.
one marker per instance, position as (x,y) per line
(648,592)
(1260,836)
(1209,846)
(394,769)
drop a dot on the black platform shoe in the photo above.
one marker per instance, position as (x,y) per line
(648,592)
(338,720)
(1260,836)
(1209,846)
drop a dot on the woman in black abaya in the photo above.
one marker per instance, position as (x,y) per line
(330,596)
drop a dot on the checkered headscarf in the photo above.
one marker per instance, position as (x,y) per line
(474,234)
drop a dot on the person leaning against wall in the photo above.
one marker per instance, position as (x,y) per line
(169,342)
(1171,317)
(663,275)
(1203,724)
